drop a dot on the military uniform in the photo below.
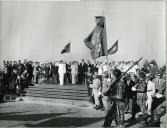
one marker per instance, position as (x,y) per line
(142,97)
(105,99)
(141,101)
(117,109)
(96,89)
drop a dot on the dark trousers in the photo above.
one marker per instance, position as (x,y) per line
(67,78)
(5,86)
(116,112)
(29,78)
(81,78)
(129,104)
(37,78)
(55,78)
(1,92)
(89,89)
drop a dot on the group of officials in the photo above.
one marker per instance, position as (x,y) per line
(17,75)
(142,88)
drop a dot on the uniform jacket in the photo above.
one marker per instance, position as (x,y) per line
(119,90)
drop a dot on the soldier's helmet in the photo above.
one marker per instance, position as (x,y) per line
(117,73)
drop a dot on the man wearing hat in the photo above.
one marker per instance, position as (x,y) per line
(117,97)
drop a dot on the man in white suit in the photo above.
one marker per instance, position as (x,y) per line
(150,94)
(61,71)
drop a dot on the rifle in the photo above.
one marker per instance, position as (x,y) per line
(118,79)
(154,72)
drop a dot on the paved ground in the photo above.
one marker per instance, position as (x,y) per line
(42,114)
(20,114)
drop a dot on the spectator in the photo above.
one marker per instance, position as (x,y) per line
(61,71)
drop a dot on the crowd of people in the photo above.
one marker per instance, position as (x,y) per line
(16,75)
(140,90)
(140,87)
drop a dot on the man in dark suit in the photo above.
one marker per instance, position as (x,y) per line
(55,73)
(68,73)
(130,96)
(159,82)
(82,69)
(47,71)
(29,71)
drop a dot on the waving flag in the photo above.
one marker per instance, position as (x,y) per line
(66,49)
(97,39)
(113,49)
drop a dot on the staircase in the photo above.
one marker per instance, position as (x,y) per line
(68,92)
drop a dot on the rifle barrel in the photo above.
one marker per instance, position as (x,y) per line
(153,73)
(136,62)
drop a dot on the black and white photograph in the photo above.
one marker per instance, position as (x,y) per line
(83,63)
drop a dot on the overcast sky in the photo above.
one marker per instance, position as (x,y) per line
(39,30)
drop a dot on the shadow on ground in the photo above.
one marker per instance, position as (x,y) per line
(50,120)
(67,122)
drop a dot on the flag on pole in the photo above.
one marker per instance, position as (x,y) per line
(66,49)
(113,49)
(97,39)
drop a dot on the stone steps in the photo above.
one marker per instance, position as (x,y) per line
(68,92)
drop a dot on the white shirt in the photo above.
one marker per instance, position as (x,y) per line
(151,87)
(62,68)
(105,68)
